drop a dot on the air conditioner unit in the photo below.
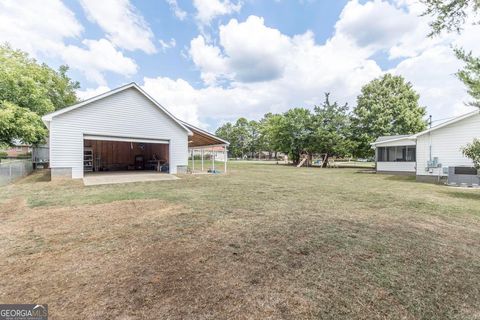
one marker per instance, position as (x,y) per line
(466,176)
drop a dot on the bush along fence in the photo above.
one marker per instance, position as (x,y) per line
(13,170)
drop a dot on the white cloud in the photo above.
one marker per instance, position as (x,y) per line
(248,52)
(124,27)
(377,23)
(38,27)
(208,59)
(179,13)
(167,45)
(207,10)
(429,63)
(265,71)
(255,52)
(252,68)
(178,96)
(91,92)
(396,27)
(24,25)
(98,56)
(262,70)
(432,74)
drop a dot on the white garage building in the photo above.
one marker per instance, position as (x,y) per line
(429,154)
(121,130)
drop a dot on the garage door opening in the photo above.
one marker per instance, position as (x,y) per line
(102,155)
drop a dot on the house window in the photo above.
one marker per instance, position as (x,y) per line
(396,154)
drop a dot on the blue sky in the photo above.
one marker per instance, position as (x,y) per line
(212,61)
(289,17)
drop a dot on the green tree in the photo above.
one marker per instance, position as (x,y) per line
(243,136)
(239,135)
(470,74)
(449,15)
(256,144)
(386,106)
(472,151)
(331,135)
(268,139)
(29,90)
(226,133)
(293,133)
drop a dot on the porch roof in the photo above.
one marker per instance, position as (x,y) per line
(202,138)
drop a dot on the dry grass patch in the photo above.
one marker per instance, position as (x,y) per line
(264,242)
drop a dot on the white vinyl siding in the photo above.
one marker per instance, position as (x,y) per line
(396,167)
(446,144)
(127,113)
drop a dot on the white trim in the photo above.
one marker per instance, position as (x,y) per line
(393,140)
(123,139)
(208,146)
(48,117)
(207,134)
(446,123)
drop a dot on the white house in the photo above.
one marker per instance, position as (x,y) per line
(428,154)
(123,129)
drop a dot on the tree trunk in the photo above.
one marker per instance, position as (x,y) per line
(325,161)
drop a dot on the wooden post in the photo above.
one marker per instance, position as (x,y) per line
(225,157)
(202,157)
(213,160)
(193,160)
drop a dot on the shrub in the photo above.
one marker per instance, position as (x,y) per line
(472,151)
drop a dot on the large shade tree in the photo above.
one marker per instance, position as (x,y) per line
(29,90)
(386,106)
(240,135)
(269,140)
(293,132)
(331,129)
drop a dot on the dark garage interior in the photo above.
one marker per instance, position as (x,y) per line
(100,155)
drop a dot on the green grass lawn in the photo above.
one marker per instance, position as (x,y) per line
(264,241)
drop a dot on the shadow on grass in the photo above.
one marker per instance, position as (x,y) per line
(469,195)
(35,176)
(400,178)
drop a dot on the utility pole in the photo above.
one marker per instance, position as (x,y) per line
(430,121)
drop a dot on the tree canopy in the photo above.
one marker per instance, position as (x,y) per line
(240,135)
(294,132)
(386,106)
(332,135)
(470,74)
(29,90)
(297,131)
(450,15)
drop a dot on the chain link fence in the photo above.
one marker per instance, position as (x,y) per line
(11,170)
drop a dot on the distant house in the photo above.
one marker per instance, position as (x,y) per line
(428,154)
(121,130)
(18,149)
